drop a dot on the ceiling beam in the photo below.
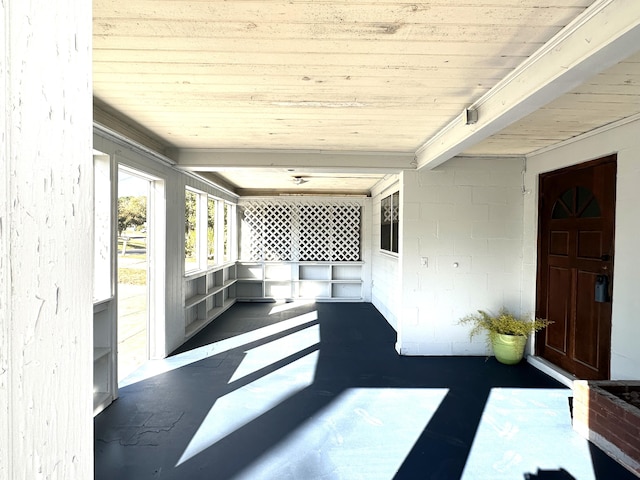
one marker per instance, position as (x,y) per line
(204,160)
(605,34)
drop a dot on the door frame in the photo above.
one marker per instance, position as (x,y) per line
(541,261)
(156,256)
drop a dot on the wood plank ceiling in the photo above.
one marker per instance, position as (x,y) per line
(363,76)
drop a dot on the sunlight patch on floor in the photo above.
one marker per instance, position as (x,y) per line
(238,408)
(158,367)
(286,306)
(365,433)
(268,354)
(523,430)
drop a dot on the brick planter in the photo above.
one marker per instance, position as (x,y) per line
(602,416)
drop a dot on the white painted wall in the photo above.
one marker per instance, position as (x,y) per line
(467,212)
(170,332)
(623,140)
(385,268)
(46,252)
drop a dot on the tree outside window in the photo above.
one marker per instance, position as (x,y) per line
(212,204)
(190,231)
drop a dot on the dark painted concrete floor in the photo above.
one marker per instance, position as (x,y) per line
(317,391)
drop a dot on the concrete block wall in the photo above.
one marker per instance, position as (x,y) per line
(461,250)
(385,268)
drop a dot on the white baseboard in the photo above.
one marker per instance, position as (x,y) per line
(552,370)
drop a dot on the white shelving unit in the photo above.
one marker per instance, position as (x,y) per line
(207,295)
(250,285)
(325,281)
(105,306)
(105,383)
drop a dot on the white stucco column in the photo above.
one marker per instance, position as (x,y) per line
(46,233)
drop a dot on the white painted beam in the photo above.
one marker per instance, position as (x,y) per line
(606,33)
(309,161)
(46,248)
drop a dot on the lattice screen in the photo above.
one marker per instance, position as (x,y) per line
(287,230)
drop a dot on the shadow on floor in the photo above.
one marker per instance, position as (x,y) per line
(284,391)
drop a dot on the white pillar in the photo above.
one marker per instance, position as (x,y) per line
(46,233)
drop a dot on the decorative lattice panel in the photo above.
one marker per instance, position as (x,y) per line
(316,236)
(284,230)
(346,225)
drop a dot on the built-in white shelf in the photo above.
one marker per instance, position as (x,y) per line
(207,295)
(104,354)
(323,281)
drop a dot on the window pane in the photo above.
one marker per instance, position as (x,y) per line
(395,221)
(385,224)
(190,237)
(576,202)
(227,233)
(211,231)
(102,224)
(588,206)
(390,222)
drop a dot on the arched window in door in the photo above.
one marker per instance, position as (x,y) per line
(577,202)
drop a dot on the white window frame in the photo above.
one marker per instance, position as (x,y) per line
(202,243)
(394,248)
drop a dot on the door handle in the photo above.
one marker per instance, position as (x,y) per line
(602,289)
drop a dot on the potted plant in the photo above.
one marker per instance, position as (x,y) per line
(507,333)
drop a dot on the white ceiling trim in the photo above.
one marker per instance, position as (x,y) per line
(605,34)
(119,138)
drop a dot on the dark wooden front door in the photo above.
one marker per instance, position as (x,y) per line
(575,256)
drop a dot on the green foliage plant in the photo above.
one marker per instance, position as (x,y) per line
(504,323)
(132,212)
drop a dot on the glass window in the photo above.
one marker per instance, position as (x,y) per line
(190,231)
(390,222)
(211,230)
(577,202)
(227,232)
(102,273)
(208,230)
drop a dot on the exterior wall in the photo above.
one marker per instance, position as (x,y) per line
(46,248)
(461,250)
(170,331)
(385,268)
(623,140)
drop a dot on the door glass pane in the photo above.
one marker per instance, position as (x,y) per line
(133,267)
(588,206)
(576,202)
(559,211)
(592,210)
(564,206)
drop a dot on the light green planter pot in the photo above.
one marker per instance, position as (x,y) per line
(509,349)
